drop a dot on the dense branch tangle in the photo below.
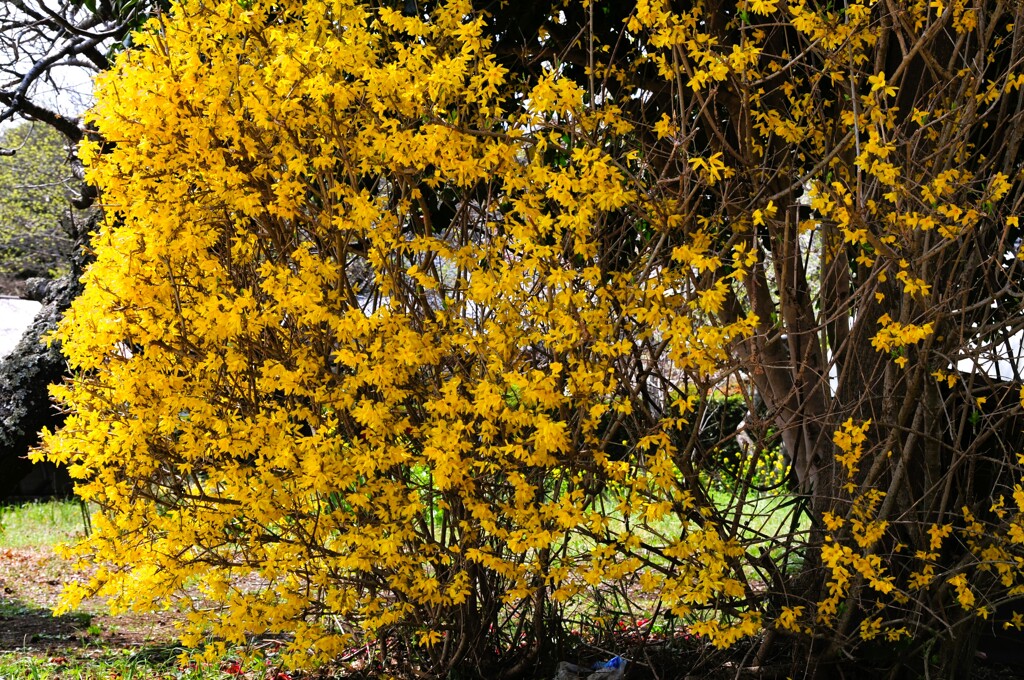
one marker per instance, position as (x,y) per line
(428,315)
(43,41)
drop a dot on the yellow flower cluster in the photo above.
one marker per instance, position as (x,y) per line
(895,336)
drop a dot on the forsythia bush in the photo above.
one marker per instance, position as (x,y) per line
(287,370)
(385,340)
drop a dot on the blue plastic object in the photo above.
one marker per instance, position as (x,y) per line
(613,663)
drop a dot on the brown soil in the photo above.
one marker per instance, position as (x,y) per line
(30,583)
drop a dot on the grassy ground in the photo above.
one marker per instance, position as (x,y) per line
(91,644)
(110,664)
(40,525)
(87,644)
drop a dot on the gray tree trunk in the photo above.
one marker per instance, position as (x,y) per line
(25,377)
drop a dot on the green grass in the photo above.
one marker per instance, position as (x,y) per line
(125,664)
(37,525)
(88,654)
(766,516)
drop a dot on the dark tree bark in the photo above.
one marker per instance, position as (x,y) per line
(25,377)
(37,40)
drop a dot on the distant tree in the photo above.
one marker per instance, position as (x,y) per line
(37,184)
(47,44)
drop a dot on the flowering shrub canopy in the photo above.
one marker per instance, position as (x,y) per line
(383,336)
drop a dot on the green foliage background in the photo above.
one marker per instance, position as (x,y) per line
(35,190)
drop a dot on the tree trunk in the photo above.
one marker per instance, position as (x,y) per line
(25,377)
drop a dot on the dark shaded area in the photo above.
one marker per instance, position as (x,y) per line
(22,625)
(999,646)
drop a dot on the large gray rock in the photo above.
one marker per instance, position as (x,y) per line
(613,670)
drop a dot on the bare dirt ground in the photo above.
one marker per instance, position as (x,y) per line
(30,583)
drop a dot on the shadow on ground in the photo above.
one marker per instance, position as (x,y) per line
(30,583)
(23,625)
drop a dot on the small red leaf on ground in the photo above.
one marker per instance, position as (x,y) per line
(232,668)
